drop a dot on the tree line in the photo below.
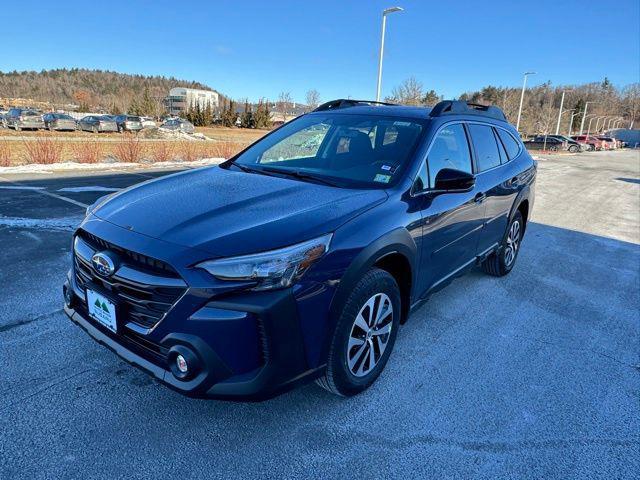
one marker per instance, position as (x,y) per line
(541,103)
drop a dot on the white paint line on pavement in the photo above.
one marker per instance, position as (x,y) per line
(48,194)
(22,188)
(93,188)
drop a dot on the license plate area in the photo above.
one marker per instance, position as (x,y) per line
(102,310)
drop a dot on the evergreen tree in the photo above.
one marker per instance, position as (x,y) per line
(247,120)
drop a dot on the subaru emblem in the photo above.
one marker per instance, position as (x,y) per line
(103,264)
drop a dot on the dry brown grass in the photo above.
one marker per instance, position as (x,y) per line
(5,154)
(43,150)
(223,149)
(87,152)
(162,151)
(40,149)
(188,150)
(129,149)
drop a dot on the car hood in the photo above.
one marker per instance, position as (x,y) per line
(225,212)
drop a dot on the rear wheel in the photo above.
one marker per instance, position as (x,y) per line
(500,262)
(364,335)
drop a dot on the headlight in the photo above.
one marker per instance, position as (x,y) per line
(270,270)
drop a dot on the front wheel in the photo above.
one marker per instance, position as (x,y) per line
(364,335)
(574,148)
(500,262)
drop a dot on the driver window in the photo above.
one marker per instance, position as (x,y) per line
(450,149)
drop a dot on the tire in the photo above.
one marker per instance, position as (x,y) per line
(94,129)
(574,148)
(501,262)
(349,369)
(553,148)
(17,128)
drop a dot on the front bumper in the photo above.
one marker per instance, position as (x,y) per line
(263,326)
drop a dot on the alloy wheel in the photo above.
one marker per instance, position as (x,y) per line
(513,242)
(370,334)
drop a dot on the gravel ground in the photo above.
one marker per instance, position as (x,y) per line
(536,375)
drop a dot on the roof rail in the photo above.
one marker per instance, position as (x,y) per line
(347,102)
(459,107)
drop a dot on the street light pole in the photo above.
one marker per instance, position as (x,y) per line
(385,12)
(573,115)
(560,112)
(586,105)
(524,86)
(589,126)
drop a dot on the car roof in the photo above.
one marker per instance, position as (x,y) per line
(382,110)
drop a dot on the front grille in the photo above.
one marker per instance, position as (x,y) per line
(140,303)
(136,260)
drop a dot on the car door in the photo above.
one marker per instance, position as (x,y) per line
(451,221)
(497,176)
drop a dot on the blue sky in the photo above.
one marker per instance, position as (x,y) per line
(260,48)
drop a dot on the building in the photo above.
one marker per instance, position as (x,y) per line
(180,99)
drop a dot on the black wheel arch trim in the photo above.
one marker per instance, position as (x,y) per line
(397,241)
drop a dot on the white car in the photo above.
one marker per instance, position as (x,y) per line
(148,122)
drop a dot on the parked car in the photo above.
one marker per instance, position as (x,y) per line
(98,123)
(288,263)
(128,123)
(179,124)
(573,146)
(22,118)
(546,142)
(148,122)
(3,120)
(59,121)
(593,142)
(609,143)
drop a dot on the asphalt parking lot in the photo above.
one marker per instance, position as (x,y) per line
(535,375)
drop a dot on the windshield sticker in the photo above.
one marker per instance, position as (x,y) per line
(386,167)
(382,178)
(402,124)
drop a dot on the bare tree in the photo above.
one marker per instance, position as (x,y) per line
(283,105)
(410,92)
(313,98)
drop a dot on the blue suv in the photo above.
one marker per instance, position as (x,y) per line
(300,257)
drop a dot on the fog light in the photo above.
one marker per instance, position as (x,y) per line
(68,296)
(181,363)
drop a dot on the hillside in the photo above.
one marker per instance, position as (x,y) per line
(95,88)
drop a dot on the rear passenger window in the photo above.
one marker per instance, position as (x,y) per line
(485,145)
(449,149)
(510,144)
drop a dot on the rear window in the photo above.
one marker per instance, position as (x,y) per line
(486,147)
(31,114)
(133,119)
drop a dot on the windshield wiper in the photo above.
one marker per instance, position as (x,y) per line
(301,175)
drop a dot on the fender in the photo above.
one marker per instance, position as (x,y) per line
(396,241)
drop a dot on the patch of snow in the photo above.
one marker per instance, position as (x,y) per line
(108,166)
(65,224)
(93,188)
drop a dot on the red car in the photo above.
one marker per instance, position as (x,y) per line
(593,142)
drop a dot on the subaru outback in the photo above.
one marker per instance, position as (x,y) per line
(299,258)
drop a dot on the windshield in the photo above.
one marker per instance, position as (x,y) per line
(350,150)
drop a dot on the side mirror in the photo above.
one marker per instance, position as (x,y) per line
(449,180)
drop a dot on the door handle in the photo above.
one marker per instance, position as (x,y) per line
(479,198)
